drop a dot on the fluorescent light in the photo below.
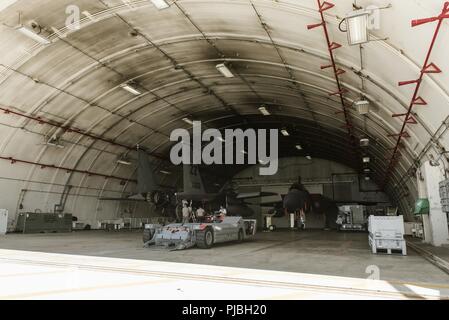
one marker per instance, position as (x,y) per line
(187,120)
(264,111)
(56,145)
(364,142)
(308,157)
(131,89)
(160,4)
(124,162)
(33,35)
(298,147)
(366,159)
(362,106)
(224,70)
(285,133)
(357,27)
(165,172)
(367,170)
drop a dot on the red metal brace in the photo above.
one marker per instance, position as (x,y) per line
(404,83)
(337,93)
(419,102)
(326,6)
(431,68)
(334,45)
(411,120)
(313,26)
(326,66)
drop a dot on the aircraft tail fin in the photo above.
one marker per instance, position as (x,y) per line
(192,180)
(146,180)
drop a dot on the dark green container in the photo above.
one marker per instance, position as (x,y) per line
(422,206)
(43,222)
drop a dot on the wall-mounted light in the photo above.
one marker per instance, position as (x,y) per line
(130,88)
(160,4)
(30,33)
(357,27)
(224,70)
(263,110)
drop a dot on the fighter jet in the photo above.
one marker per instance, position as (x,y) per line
(148,188)
(194,190)
(299,199)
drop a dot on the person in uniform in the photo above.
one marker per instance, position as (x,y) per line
(185,212)
(200,213)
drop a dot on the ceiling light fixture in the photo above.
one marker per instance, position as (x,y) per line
(364,142)
(308,157)
(160,4)
(299,147)
(187,120)
(362,106)
(33,35)
(123,161)
(131,89)
(264,111)
(366,159)
(285,133)
(357,27)
(55,144)
(224,70)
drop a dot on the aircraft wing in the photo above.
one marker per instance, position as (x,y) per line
(136,197)
(272,204)
(252,195)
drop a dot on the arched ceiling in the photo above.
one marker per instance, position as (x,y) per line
(75,82)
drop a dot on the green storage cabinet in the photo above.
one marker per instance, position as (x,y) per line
(422,206)
(28,222)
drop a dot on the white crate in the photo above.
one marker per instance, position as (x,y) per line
(386,233)
(3,221)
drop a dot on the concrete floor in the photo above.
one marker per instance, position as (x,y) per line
(312,252)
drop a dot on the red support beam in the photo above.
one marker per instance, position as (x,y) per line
(69,129)
(51,166)
(428,67)
(332,46)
